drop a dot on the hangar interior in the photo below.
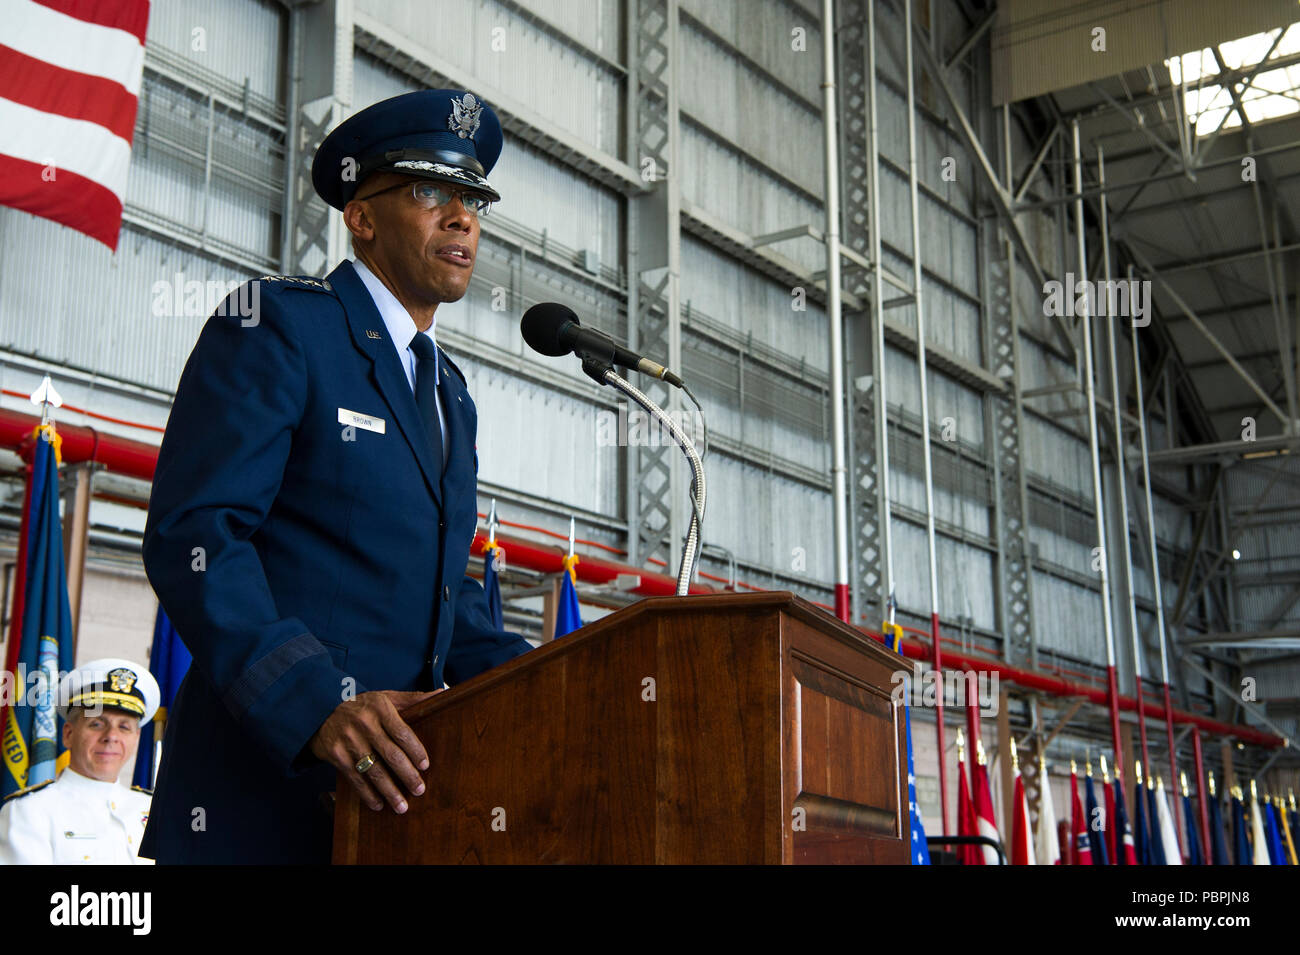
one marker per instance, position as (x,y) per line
(665,175)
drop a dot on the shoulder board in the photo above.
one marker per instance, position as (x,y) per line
(141,789)
(299,281)
(460,374)
(29,790)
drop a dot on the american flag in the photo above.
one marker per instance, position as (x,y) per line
(69,83)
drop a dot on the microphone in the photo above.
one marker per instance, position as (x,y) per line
(553,329)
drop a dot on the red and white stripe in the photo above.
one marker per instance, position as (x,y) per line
(70,75)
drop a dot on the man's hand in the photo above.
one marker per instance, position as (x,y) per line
(369,726)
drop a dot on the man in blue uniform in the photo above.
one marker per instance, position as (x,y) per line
(314,505)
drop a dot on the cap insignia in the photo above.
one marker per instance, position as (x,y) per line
(464,117)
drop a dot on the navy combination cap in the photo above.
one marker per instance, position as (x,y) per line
(448,135)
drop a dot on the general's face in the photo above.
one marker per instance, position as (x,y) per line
(100,743)
(428,253)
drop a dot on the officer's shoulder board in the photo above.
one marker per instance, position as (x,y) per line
(459,374)
(141,789)
(304,282)
(28,790)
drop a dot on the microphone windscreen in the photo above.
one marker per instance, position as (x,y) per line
(541,326)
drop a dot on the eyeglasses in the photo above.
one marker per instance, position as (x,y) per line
(429,195)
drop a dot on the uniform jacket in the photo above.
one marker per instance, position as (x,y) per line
(302,559)
(73,821)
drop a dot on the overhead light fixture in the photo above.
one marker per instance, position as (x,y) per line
(1236,554)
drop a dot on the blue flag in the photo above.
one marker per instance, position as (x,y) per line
(567,616)
(1124,845)
(1096,836)
(1154,842)
(1194,856)
(32,737)
(920,848)
(1276,854)
(1141,832)
(1241,842)
(169,661)
(492,584)
(1218,843)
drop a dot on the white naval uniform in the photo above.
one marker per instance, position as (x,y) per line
(74,821)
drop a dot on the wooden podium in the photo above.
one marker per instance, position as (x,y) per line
(737,728)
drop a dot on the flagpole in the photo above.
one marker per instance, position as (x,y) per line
(1199,765)
(1156,588)
(1100,513)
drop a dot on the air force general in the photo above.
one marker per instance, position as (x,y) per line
(315,502)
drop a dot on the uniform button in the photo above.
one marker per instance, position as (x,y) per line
(446,592)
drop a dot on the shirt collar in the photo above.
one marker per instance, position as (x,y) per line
(401,327)
(70,777)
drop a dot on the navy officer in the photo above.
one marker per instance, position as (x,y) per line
(315,502)
(85,817)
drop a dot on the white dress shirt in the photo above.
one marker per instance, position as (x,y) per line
(74,821)
(402,330)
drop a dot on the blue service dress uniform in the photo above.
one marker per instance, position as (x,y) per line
(307,545)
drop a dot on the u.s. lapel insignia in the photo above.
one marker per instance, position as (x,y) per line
(464,117)
(371,333)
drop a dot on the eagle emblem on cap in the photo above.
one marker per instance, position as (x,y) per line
(464,117)
(121,680)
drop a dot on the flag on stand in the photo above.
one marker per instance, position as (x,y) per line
(1276,854)
(1097,823)
(1258,837)
(493,560)
(983,797)
(1155,840)
(1141,830)
(1288,840)
(1168,835)
(69,85)
(966,825)
(1022,852)
(1114,847)
(1241,842)
(1048,846)
(920,853)
(1218,842)
(1194,856)
(568,618)
(1078,825)
(169,661)
(1125,850)
(42,622)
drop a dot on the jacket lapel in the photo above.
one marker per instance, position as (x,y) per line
(456,407)
(387,373)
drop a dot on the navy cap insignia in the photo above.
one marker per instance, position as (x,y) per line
(121,680)
(464,117)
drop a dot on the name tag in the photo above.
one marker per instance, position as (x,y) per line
(368,422)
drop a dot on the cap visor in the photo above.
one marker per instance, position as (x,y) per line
(445,172)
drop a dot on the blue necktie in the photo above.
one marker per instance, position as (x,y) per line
(426,392)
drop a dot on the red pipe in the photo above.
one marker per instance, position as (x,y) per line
(139,459)
(1173,766)
(1058,687)
(120,455)
(842,602)
(594,570)
(1202,797)
(938,713)
(1112,700)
